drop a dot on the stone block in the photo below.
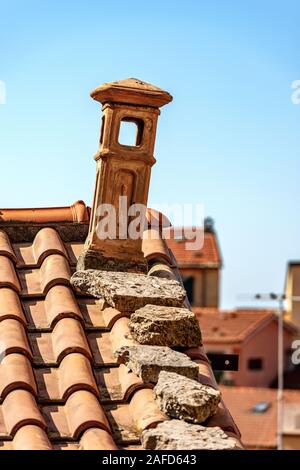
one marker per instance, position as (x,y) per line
(165,326)
(148,361)
(183,398)
(179,435)
(128,291)
(94,259)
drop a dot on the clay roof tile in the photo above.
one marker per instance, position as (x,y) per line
(8,275)
(84,411)
(19,409)
(54,270)
(10,305)
(31,437)
(47,242)
(61,303)
(69,337)
(5,247)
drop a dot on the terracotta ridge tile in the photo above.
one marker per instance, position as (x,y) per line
(205,377)
(10,305)
(60,303)
(97,439)
(6,248)
(8,275)
(120,334)
(47,242)
(75,373)
(197,353)
(68,337)
(31,437)
(144,410)
(111,316)
(77,212)
(154,246)
(54,270)
(13,338)
(224,420)
(163,270)
(83,411)
(130,382)
(19,409)
(16,373)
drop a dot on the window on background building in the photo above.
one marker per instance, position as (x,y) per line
(255,363)
(188,283)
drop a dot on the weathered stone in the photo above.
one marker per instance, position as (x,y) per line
(148,361)
(183,398)
(178,435)
(92,259)
(127,291)
(165,326)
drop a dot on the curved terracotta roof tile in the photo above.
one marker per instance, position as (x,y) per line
(75,373)
(205,375)
(8,275)
(78,212)
(144,410)
(13,338)
(162,270)
(129,382)
(97,439)
(84,411)
(61,303)
(111,315)
(5,247)
(224,420)
(10,305)
(197,353)
(153,246)
(19,409)
(120,334)
(68,337)
(54,270)
(16,372)
(31,437)
(156,219)
(47,242)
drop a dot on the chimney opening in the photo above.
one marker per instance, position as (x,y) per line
(131,132)
(102,129)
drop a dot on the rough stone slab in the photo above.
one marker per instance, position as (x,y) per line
(93,259)
(183,398)
(148,361)
(165,326)
(179,435)
(128,291)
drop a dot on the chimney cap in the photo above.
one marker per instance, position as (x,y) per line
(131,91)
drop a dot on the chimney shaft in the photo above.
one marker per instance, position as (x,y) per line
(123,175)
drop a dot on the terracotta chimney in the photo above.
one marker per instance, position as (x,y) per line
(122,170)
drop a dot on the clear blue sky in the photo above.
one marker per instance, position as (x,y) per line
(230,139)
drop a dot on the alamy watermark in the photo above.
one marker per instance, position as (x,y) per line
(296,352)
(133,221)
(295,97)
(2,92)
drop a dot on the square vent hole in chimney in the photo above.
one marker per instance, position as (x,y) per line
(131,132)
